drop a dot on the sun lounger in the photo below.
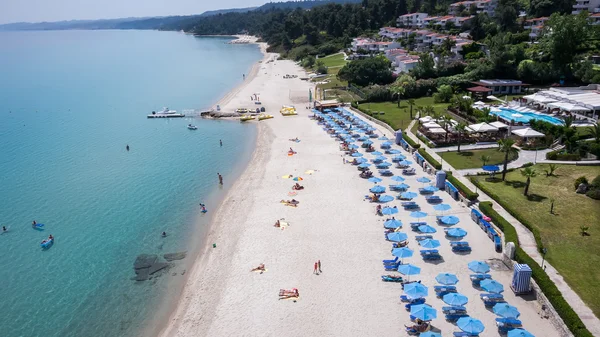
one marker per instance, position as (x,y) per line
(415,302)
(407,203)
(429,251)
(444,289)
(423,237)
(432,257)
(461,249)
(477,278)
(455,309)
(407,299)
(395,260)
(391,278)
(413,206)
(458,243)
(491,296)
(409,171)
(433,199)
(506,324)
(424,191)
(400,244)
(395,188)
(455,317)
(386,173)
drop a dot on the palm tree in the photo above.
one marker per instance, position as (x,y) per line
(397,90)
(445,123)
(430,111)
(506,146)
(529,173)
(594,131)
(485,159)
(411,102)
(460,128)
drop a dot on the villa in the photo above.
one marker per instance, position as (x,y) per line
(498,87)
(482,6)
(415,20)
(372,46)
(592,6)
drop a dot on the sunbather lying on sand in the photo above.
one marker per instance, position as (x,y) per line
(297,187)
(419,327)
(294,140)
(378,210)
(261,268)
(285,294)
(292,202)
(374,197)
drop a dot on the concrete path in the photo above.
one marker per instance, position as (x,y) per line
(526,239)
(524,158)
(465,147)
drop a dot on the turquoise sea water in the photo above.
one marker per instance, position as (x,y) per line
(69,103)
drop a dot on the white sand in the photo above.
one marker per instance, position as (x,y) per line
(332,223)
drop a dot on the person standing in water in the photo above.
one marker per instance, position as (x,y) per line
(127,147)
(220,142)
(220,178)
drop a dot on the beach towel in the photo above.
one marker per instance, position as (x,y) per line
(310,172)
(287,176)
(291,194)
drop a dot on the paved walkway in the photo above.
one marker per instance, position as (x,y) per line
(465,147)
(524,158)
(527,241)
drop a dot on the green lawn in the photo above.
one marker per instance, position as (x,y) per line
(470,159)
(335,60)
(575,256)
(399,118)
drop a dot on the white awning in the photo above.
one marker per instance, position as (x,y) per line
(567,106)
(436,130)
(482,127)
(527,133)
(537,98)
(479,103)
(425,119)
(499,125)
(432,125)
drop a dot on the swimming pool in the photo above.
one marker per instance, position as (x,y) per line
(525,117)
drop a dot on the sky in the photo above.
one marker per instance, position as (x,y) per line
(58,10)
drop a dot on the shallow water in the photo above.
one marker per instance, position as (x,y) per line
(70,102)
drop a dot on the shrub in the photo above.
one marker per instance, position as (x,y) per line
(430,159)
(596,182)
(527,164)
(410,141)
(580,180)
(568,156)
(461,187)
(594,193)
(552,155)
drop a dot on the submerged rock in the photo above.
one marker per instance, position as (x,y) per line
(145,261)
(157,266)
(175,256)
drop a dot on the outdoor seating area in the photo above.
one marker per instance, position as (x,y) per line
(344,127)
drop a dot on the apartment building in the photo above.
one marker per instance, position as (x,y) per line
(394,33)
(592,6)
(528,24)
(372,46)
(414,20)
(482,6)
(594,19)
(443,20)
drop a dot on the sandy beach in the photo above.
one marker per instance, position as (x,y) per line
(333,223)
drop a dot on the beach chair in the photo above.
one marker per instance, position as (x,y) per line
(391,278)
(431,257)
(386,173)
(395,260)
(429,251)
(415,302)
(507,324)
(493,300)
(461,249)
(407,203)
(434,199)
(455,309)
(413,206)
(477,278)
(423,237)
(391,267)
(440,291)
(408,172)
(424,191)
(455,317)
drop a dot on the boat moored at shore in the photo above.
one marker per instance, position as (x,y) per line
(165,113)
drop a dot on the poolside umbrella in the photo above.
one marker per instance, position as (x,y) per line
(402,252)
(470,325)
(492,286)
(442,207)
(374,180)
(455,299)
(456,232)
(298,179)
(405,162)
(430,334)
(393,151)
(357,154)
(408,195)
(389,210)
(423,312)
(479,267)
(429,243)
(376,153)
(397,236)
(392,224)
(397,178)
(418,214)
(364,165)
(427,229)
(409,269)
(431,189)
(377,189)
(449,220)
(446,279)
(423,180)
(385,198)
(506,310)
(518,333)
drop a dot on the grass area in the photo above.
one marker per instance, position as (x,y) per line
(470,159)
(573,255)
(399,118)
(335,60)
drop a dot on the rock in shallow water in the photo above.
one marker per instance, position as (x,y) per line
(145,261)
(174,256)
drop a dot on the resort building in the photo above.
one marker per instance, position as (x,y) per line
(404,63)
(372,46)
(536,26)
(424,40)
(394,33)
(592,6)
(482,6)
(594,19)
(583,101)
(414,20)
(498,87)
(442,21)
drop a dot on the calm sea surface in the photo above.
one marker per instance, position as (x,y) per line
(70,101)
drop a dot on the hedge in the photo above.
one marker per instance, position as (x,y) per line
(564,310)
(558,155)
(506,206)
(410,141)
(461,187)
(430,159)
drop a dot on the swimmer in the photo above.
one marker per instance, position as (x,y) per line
(164,234)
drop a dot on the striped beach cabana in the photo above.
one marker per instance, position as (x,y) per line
(521,279)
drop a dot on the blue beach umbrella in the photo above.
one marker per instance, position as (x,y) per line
(374,180)
(380,157)
(353,146)
(429,243)
(357,154)
(389,210)
(408,195)
(456,232)
(398,158)
(384,164)
(386,198)
(470,325)
(393,151)
(397,178)
(418,214)
(364,165)
(519,333)
(368,142)
(401,186)
(455,299)
(423,180)
(446,279)
(360,160)
(427,229)
(450,220)
(442,207)
(479,267)
(409,269)
(362,139)
(431,189)
(383,138)
(492,286)
(386,143)
(402,252)
(423,312)
(405,162)
(397,236)
(377,189)
(392,224)
(376,153)
(430,334)
(506,310)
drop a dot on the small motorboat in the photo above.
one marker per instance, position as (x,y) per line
(47,243)
(192,127)
(246,118)
(264,116)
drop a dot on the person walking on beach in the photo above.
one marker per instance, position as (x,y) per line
(220,178)
(316,270)
(319,264)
